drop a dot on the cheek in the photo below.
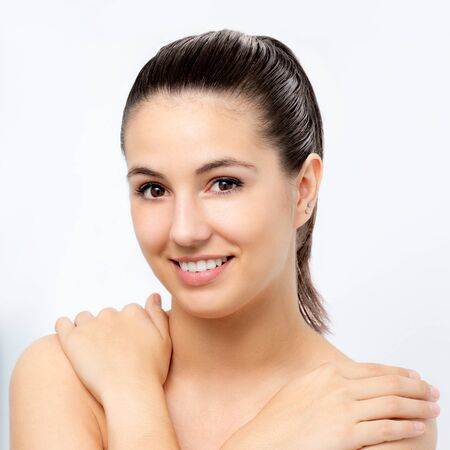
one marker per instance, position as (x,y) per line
(150,229)
(256,222)
(262,228)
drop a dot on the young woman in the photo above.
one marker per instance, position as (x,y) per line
(222,137)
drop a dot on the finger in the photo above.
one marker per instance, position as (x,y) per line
(366,388)
(134,308)
(157,314)
(393,407)
(63,326)
(152,299)
(365,370)
(107,311)
(376,431)
(82,317)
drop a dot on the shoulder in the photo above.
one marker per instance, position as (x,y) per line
(44,352)
(48,403)
(426,441)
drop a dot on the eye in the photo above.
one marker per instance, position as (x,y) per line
(235,181)
(148,186)
(157,188)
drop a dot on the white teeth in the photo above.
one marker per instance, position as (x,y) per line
(201,265)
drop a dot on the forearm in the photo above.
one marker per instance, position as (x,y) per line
(138,419)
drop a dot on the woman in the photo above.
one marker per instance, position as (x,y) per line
(222,136)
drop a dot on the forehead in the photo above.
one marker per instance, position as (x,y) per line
(192,124)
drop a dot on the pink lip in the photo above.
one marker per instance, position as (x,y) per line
(203,277)
(199,257)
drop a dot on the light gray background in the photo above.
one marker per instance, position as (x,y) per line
(381,247)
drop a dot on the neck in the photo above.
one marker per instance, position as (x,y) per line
(267,336)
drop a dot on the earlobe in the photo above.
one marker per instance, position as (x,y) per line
(307,186)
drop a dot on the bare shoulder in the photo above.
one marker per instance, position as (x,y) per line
(49,406)
(426,441)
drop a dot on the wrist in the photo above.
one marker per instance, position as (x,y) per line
(137,416)
(130,392)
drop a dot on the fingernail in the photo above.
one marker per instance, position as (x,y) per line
(419,426)
(434,392)
(434,408)
(414,374)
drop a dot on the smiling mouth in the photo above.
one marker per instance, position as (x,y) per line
(204,276)
(228,258)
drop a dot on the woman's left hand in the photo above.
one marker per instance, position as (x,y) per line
(118,349)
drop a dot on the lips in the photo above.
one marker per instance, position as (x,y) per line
(201,258)
(202,277)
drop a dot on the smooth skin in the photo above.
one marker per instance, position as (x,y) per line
(96,384)
(351,402)
(239,344)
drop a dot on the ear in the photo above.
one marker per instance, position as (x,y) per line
(307,184)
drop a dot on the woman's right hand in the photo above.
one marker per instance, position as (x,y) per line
(339,407)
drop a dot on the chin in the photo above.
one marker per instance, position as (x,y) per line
(219,309)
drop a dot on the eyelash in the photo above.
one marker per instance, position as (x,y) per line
(140,190)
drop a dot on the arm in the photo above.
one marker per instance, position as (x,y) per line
(49,407)
(138,418)
(254,438)
(323,400)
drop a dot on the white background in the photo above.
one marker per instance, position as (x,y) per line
(381,246)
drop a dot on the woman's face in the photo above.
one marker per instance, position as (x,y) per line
(247,212)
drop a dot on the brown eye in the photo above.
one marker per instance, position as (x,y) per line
(153,188)
(156,190)
(223,182)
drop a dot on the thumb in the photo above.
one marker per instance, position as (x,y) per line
(152,299)
(157,314)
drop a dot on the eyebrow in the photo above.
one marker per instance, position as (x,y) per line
(223,162)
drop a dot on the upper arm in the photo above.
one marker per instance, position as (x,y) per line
(49,408)
(426,441)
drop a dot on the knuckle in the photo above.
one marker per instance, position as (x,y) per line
(386,430)
(329,369)
(109,311)
(132,308)
(374,369)
(81,314)
(394,382)
(343,390)
(393,404)
(400,371)
(346,407)
(343,432)
(370,369)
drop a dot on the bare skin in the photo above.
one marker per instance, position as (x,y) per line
(207,411)
(226,419)
(237,340)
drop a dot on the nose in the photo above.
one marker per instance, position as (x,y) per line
(189,225)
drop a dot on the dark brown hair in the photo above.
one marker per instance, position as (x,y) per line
(264,72)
